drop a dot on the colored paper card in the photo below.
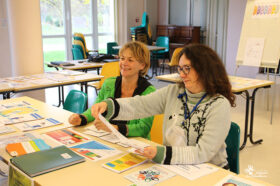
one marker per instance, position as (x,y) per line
(17,111)
(125,162)
(150,176)
(237,181)
(13,104)
(18,149)
(66,136)
(192,172)
(94,150)
(38,124)
(12,119)
(16,138)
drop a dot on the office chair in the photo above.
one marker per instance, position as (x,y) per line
(174,59)
(156,130)
(111,69)
(76,101)
(111,50)
(77,54)
(233,142)
(79,44)
(162,41)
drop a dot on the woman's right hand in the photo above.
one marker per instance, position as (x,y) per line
(75,119)
(98,108)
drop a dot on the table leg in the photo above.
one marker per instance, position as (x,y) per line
(59,97)
(246,120)
(252,118)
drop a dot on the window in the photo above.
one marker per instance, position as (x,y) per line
(62,18)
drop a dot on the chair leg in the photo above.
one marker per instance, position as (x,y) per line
(163,66)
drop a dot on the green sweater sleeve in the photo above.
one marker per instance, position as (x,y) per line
(141,127)
(107,90)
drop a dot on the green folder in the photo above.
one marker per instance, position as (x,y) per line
(41,162)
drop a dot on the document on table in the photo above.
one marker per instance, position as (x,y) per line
(192,172)
(122,138)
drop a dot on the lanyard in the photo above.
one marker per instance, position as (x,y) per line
(186,114)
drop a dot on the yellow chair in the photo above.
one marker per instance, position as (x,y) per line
(156,130)
(80,36)
(111,69)
(79,44)
(174,60)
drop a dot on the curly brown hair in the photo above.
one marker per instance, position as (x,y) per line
(210,70)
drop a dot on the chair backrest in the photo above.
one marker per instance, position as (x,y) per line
(233,142)
(163,41)
(80,36)
(156,130)
(76,101)
(110,49)
(78,42)
(144,19)
(77,53)
(111,69)
(174,60)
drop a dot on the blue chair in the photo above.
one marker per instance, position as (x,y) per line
(76,101)
(77,54)
(144,24)
(111,50)
(233,142)
(162,41)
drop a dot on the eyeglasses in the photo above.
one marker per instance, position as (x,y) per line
(185,69)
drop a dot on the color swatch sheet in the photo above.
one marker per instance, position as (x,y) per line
(125,162)
(94,150)
(18,149)
(66,136)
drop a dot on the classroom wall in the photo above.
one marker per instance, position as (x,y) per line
(151,7)
(163,12)
(178,14)
(234,30)
(5,62)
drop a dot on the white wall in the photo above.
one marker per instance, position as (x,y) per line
(163,12)
(235,20)
(152,11)
(135,9)
(5,61)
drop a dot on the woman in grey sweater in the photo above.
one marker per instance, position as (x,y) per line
(196,111)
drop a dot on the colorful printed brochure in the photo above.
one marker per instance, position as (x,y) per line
(18,149)
(94,150)
(16,138)
(6,129)
(16,111)
(13,105)
(66,136)
(38,124)
(125,162)
(12,119)
(150,176)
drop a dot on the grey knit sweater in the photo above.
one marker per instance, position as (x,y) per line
(197,139)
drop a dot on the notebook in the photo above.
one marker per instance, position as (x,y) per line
(41,162)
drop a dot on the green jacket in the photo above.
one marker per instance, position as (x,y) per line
(111,88)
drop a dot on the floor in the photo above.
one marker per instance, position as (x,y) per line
(261,161)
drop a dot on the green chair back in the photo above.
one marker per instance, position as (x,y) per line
(76,101)
(110,49)
(233,142)
(77,54)
(81,48)
(163,41)
(79,39)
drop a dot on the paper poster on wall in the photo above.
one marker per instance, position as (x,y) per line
(266,9)
(253,51)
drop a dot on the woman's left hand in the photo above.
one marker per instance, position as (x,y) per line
(100,125)
(149,152)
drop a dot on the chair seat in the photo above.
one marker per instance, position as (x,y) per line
(95,85)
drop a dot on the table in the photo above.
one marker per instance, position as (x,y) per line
(47,80)
(92,173)
(239,85)
(82,65)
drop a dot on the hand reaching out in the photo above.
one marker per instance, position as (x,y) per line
(149,152)
(75,119)
(98,108)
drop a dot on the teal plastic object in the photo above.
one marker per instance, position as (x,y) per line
(233,142)
(77,54)
(81,50)
(80,39)
(76,101)
(110,50)
(145,21)
(162,41)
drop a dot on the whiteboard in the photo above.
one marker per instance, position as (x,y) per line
(261,20)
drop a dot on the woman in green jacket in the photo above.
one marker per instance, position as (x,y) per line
(134,65)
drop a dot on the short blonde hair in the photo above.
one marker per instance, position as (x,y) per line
(141,54)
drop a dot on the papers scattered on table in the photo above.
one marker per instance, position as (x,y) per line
(15,138)
(69,72)
(150,176)
(125,162)
(94,150)
(13,105)
(6,129)
(16,111)
(32,125)
(92,130)
(15,118)
(192,172)
(66,136)
(234,180)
